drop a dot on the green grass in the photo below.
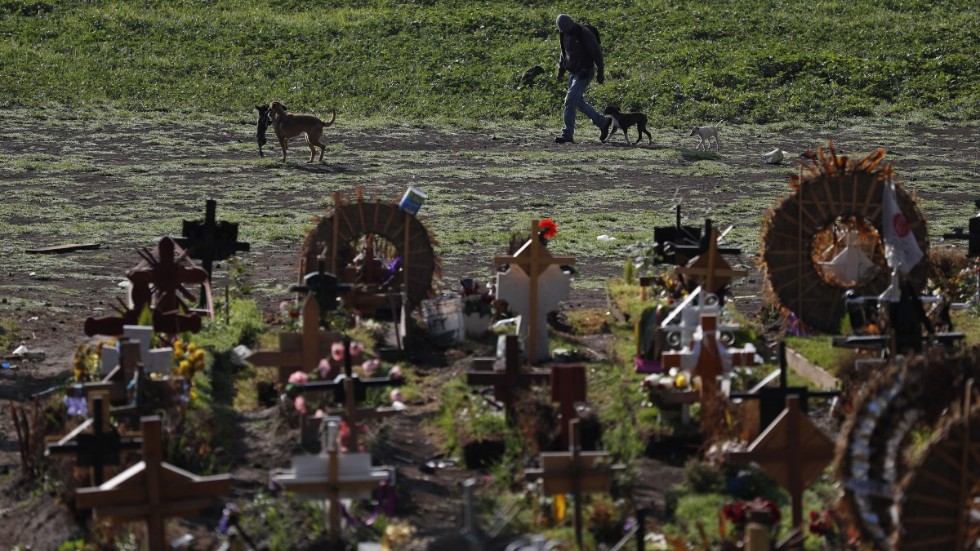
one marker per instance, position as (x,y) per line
(738,60)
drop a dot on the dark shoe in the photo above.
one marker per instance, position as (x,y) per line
(604,129)
(563,139)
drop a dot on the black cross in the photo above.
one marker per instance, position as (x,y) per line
(210,240)
(97,448)
(973,235)
(772,400)
(324,286)
(667,238)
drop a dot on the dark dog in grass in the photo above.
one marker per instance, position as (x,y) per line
(261,126)
(289,125)
(622,121)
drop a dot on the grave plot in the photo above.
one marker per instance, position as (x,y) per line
(379,248)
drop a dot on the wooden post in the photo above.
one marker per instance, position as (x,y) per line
(568,386)
(574,472)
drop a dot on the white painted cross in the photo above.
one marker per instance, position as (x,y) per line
(852,263)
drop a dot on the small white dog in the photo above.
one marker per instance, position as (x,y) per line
(705,134)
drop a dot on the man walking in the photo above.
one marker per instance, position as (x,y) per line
(581,56)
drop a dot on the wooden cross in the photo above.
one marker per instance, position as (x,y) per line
(159,283)
(711,267)
(344,475)
(568,386)
(352,390)
(95,443)
(511,382)
(298,351)
(793,451)
(152,490)
(533,258)
(210,240)
(324,286)
(574,472)
(972,235)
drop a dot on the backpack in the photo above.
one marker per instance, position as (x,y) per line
(594,31)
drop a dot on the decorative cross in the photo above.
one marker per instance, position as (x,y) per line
(158,283)
(210,240)
(568,386)
(675,237)
(509,383)
(574,472)
(711,268)
(298,351)
(334,474)
(324,286)
(152,490)
(95,443)
(533,259)
(709,361)
(793,451)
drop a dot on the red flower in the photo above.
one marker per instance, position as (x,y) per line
(548,228)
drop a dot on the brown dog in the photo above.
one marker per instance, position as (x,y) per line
(289,125)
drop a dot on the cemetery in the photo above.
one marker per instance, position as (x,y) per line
(452,332)
(371,404)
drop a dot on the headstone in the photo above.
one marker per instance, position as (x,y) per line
(509,383)
(533,285)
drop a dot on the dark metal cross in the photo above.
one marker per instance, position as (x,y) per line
(772,400)
(973,235)
(210,240)
(512,381)
(95,443)
(324,286)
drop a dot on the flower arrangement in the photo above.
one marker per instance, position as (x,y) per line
(829,527)
(188,359)
(738,513)
(477,300)
(87,360)
(659,386)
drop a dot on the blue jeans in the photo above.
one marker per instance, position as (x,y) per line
(575,99)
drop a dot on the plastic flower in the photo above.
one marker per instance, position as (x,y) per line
(324,368)
(371,367)
(299,378)
(77,405)
(395,373)
(337,351)
(356,349)
(397,399)
(300,404)
(548,228)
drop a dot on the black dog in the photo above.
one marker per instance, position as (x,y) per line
(622,121)
(261,126)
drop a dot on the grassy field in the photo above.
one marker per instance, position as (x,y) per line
(746,61)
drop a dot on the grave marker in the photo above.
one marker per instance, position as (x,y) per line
(335,475)
(793,451)
(534,289)
(210,240)
(568,386)
(298,351)
(711,269)
(152,490)
(95,443)
(509,383)
(574,472)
